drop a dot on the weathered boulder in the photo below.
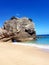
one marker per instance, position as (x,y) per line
(19,29)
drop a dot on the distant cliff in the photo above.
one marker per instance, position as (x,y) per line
(18,29)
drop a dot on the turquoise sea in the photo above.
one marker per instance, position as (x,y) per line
(42,42)
(41,39)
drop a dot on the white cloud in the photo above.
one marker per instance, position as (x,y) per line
(17,14)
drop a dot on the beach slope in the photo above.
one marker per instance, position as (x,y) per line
(12,54)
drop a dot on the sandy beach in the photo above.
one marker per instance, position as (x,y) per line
(12,54)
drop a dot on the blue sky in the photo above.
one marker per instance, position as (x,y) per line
(38,10)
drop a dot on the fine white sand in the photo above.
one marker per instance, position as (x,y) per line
(15,54)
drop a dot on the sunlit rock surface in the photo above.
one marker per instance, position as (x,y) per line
(18,29)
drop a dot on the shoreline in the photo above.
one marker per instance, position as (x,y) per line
(34,45)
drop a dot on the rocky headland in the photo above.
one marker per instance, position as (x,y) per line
(18,29)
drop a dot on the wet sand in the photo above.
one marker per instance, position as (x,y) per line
(11,54)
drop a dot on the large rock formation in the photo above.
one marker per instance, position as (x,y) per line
(18,29)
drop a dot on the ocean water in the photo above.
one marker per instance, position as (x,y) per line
(42,40)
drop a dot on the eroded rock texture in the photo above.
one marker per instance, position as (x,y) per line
(18,29)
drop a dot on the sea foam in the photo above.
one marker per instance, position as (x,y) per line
(34,45)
